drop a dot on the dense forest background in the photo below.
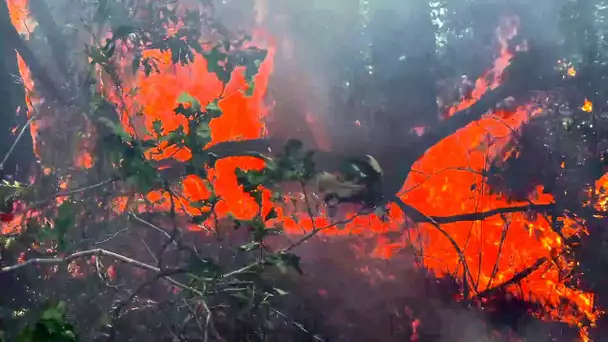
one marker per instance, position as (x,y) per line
(140,200)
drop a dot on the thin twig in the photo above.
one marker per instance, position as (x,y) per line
(98,252)
(174,232)
(308,206)
(298,325)
(515,279)
(112,236)
(151,225)
(288,248)
(66,194)
(503,238)
(407,208)
(16,142)
(118,309)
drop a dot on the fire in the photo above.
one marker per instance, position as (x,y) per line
(20,16)
(23,22)
(446,181)
(587,106)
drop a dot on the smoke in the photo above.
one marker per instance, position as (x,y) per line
(358,298)
(316,99)
(344,293)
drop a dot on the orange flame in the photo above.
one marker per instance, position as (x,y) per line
(587,106)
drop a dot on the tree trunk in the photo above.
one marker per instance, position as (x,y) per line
(403,59)
(14,294)
(12,108)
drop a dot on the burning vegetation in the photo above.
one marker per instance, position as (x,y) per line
(161,183)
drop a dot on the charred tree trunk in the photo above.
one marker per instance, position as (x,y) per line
(55,38)
(14,294)
(403,60)
(402,63)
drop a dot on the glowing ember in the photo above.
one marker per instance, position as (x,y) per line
(587,106)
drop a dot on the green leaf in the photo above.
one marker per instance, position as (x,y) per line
(195,45)
(8,242)
(285,260)
(157,126)
(200,219)
(187,98)
(251,180)
(280,292)
(63,222)
(52,326)
(250,246)
(215,58)
(271,215)
(52,314)
(250,88)
(117,129)
(258,230)
(213,109)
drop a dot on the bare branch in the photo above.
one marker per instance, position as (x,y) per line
(515,279)
(297,325)
(82,254)
(483,215)
(67,193)
(153,226)
(99,252)
(290,247)
(16,142)
(418,216)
